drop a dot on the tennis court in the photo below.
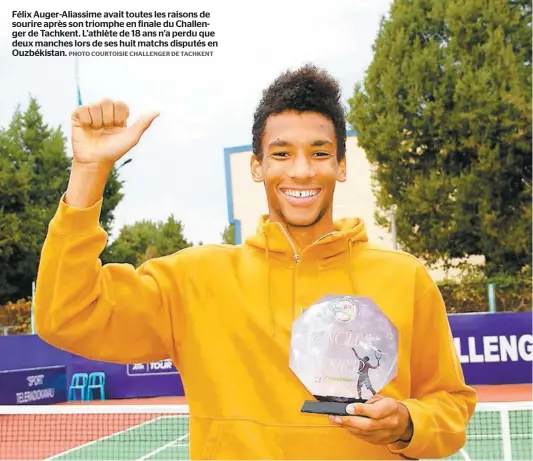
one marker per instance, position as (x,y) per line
(494,433)
(498,431)
(138,442)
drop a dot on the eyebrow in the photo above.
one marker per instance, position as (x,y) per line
(317,143)
(321,142)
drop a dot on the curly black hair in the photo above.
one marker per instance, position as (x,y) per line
(308,89)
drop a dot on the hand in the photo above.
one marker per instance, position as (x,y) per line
(380,421)
(100,134)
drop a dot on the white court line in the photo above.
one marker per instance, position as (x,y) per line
(165,446)
(465,454)
(92,442)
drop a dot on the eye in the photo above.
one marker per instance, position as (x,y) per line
(322,154)
(280,154)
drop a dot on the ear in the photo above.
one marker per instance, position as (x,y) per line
(256,168)
(341,172)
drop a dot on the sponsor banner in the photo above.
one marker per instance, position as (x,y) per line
(163,367)
(123,382)
(33,386)
(494,348)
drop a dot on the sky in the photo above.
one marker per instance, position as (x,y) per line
(206,103)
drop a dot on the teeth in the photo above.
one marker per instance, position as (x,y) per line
(300,193)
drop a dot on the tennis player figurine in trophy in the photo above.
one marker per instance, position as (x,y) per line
(332,344)
(364,366)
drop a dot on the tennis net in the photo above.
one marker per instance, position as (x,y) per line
(161,432)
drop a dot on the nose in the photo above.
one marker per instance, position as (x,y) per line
(301,168)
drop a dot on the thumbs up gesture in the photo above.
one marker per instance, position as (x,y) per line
(100,132)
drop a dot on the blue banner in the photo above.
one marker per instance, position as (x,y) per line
(494,348)
(33,386)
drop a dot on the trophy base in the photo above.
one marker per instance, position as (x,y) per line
(329,405)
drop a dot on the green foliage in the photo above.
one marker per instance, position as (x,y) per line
(145,240)
(228,236)
(34,172)
(470,294)
(444,116)
(111,199)
(17,315)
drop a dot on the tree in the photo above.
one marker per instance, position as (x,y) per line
(34,172)
(228,236)
(444,116)
(111,198)
(145,240)
(16,316)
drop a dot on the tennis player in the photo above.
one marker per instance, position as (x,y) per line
(364,379)
(224,313)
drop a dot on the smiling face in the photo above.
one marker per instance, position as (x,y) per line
(299,168)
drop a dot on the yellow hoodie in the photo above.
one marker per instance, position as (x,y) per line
(223,314)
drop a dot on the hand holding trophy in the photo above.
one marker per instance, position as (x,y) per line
(343,350)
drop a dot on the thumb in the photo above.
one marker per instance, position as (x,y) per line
(351,408)
(363,409)
(143,123)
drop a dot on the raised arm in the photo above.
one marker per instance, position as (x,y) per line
(110,312)
(354,351)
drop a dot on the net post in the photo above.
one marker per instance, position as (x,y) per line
(33,308)
(506,435)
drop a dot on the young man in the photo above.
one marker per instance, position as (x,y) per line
(239,302)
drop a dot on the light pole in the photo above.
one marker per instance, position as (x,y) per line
(76,70)
(393,226)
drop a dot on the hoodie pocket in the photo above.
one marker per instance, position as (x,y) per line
(209,444)
(244,439)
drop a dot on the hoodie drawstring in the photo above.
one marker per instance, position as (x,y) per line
(350,270)
(269,281)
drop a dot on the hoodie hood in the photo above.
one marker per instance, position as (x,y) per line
(273,237)
(339,245)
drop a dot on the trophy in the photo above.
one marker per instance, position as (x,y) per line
(344,349)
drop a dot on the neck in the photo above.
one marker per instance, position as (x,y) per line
(305,236)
